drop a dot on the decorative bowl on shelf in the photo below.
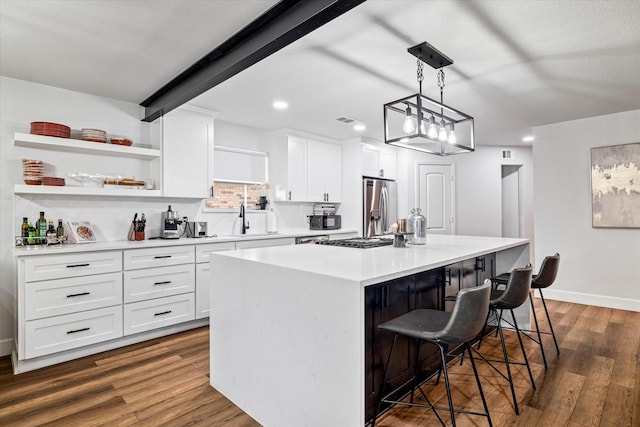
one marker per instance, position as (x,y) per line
(50,129)
(121,141)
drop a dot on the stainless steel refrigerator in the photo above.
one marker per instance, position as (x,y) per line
(380,206)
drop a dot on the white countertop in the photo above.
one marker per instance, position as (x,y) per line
(21,251)
(374,265)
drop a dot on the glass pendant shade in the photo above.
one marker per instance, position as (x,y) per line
(418,107)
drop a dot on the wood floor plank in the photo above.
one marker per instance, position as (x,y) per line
(594,382)
(588,409)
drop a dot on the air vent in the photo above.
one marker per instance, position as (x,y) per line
(507,154)
(345,120)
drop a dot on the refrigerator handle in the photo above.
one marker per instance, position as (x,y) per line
(384,209)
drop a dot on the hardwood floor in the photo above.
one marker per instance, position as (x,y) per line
(594,382)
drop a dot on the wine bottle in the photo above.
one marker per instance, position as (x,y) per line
(60,231)
(41,228)
(52,238)
(25,231)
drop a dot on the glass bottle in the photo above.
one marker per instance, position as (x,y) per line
(52,237)
(60,231)
(41,228)
(33,235)
(25,231)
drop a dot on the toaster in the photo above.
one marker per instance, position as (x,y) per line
(197,229)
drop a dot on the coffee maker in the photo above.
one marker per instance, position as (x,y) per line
(170,225)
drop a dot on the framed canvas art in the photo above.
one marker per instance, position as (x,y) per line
(615,186)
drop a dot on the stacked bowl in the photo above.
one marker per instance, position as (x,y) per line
(32,170)
(50,129)
(94,135)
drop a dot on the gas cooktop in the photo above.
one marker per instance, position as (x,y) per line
(359,242)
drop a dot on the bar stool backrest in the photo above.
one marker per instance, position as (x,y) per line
(517,290)
(548,272)
(468,315)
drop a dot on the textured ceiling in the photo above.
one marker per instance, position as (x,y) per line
(517,64)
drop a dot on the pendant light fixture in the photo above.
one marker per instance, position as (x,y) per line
(420,123)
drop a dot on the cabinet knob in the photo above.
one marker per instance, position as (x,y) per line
(289,195)
(381,173)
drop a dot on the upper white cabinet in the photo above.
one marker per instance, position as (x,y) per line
(378,162)
(187,152)
(308,170)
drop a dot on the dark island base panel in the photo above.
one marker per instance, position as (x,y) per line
(391,299)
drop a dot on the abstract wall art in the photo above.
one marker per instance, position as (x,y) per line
(615,186)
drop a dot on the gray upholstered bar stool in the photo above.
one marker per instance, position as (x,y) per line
(515,294)
(443,329)
(545,278)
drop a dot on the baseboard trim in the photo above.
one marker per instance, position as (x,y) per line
(6,345)
(592,299)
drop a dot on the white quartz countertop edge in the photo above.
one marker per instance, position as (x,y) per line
(20,251)
(376,265)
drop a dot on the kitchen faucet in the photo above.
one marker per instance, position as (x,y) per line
(245,225)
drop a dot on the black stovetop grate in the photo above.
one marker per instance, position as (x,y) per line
(361,243)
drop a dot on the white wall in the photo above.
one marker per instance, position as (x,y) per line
(597,266)
(478,176)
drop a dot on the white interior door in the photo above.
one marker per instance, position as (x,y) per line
(434,195)
(511,201)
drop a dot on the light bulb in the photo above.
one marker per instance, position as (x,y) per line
(408,122)
(442,135)
(452,135)
(433,132)
(423,128)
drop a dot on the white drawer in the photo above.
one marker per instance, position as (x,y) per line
(146,315)
(265,242)
(203,251)
(49,267)
(54,334)
(158,282)
(202,289)
(65,296)
(158,257)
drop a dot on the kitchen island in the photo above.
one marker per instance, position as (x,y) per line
(291,327)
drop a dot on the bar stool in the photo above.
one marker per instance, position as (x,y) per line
(515,294)
(545,278)
(443,329)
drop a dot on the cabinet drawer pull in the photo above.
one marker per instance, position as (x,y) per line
(78,265)
(78,295)
(162,256)
(78,330)
(166,282)
(163,312)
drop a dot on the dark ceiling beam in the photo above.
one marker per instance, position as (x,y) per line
(284,23)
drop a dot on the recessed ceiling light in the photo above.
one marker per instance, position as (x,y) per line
(280,105)
(359,127)
(528,138)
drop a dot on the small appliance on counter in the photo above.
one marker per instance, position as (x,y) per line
(324,222)
(171,225)
(197,229)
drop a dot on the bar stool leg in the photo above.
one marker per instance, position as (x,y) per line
(384,381)
(524,353)
(475,373)
(446,382)
(506,361)
(535,320)
(553,334)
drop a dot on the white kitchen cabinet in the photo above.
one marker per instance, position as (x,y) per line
(296,169)
(158,312)
(203,274)
(187,153)
(324,172)
(378,162)
(248,244)
(308,170)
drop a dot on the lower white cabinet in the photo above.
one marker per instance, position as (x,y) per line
(156,313)
(148,283)
(59,333)
(65,296)
(202,274)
